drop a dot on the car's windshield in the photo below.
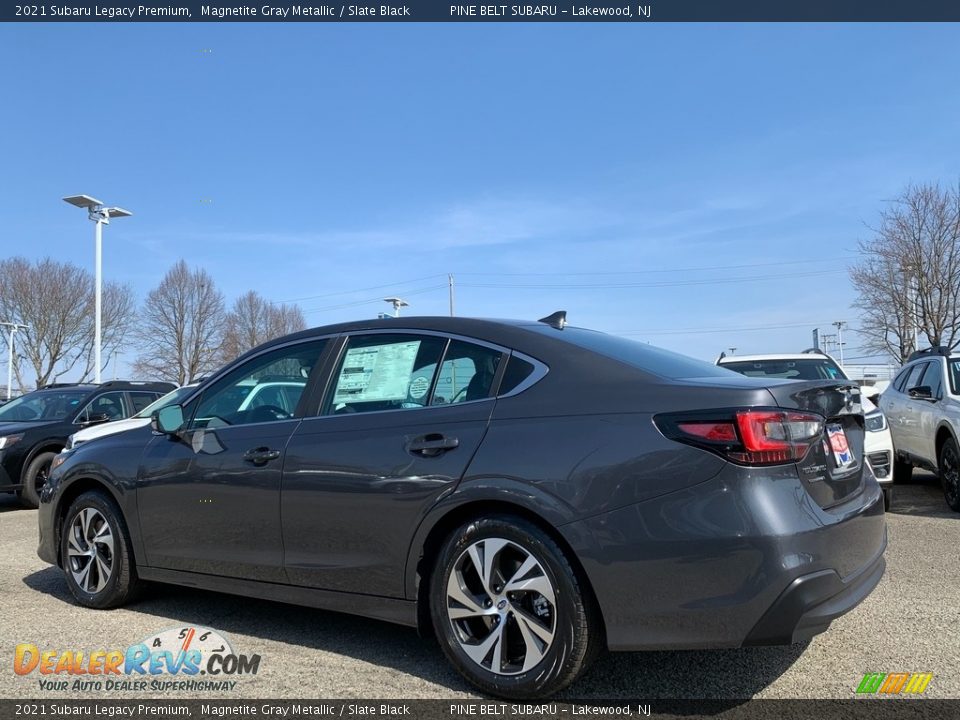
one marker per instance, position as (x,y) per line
(171,398)
(43,405)
(802,369)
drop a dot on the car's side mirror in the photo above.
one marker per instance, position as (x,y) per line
(167,420)
(921,392)
(95,419)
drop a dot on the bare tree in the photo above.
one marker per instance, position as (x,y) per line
(254,320)
(181,326)
(908,282)
(56,301)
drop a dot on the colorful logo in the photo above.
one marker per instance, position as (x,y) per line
(187,652)
(900,683)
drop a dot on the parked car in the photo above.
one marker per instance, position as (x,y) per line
(141,419)
(878,446)
(35,426)
(923,407)
(566,491)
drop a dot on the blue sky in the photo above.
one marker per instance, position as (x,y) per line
(586,167)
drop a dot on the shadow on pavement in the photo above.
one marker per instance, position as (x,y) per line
(722,674)
(10,502)
(923,496)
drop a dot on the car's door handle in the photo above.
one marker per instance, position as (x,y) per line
(261,455)
(431,444)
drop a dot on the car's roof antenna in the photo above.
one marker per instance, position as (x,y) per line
(557,320)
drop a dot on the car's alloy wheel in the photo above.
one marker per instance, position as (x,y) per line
(502,606)
(90,550)
(96,553)
(950,473)
(509,610)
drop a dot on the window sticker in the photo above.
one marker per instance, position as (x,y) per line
(377,373)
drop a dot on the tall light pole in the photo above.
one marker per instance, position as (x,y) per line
(397,304)
(100,215)
(13,329)
(839,325)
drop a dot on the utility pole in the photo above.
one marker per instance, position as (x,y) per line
(732,350)
(839,325)
(827,341)
(10,355)
(450,286)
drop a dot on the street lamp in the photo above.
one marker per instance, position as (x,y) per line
(13,329)
(397,304)
(100,215)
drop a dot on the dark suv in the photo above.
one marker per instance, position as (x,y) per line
(35,427)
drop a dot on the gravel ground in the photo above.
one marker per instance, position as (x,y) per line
(910,623)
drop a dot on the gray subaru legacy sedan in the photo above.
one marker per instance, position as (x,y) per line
(530,493)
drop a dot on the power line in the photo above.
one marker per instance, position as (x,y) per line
(666,270)
(374,300)
(678,283)
(698,331)
(356,290)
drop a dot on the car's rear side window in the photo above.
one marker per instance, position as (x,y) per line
(141,399)
(517,371)
(648,358)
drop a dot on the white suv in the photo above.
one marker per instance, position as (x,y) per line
(815,365)
(923,407)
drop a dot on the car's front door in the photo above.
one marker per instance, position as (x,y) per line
(928,412)
(403,416)
(909,417)
(209,496)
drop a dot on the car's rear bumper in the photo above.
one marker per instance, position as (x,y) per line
(745,558)
(811,602)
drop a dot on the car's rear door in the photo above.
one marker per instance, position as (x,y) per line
(401,418)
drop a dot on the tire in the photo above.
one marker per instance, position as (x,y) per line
(887,498)
(88,582)
(34,478)
(902,471)
(537,662)
(949,465)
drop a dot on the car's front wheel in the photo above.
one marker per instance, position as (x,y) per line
(34,478)
(509,611)
(950,473)
(96,553)
(887,498)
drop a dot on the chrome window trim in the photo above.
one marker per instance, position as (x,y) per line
(540,369)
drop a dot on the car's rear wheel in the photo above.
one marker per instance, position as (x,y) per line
(950,473)
(96,553)
(902,471)
(35,477)
(509,610)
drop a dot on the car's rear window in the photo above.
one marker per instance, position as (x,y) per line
(804,369)
(648,358)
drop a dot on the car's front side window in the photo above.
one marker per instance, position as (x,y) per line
(108,406)
(933,378)
(385,372)
(234,399)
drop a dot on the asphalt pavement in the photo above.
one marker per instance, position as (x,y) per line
(911,623)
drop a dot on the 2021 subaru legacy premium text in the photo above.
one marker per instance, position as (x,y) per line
(530,492)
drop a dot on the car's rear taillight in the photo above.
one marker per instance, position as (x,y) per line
(753,436)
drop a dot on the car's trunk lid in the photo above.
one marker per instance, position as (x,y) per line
(833,468)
